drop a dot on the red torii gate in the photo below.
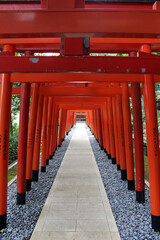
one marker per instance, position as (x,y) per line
(48,21)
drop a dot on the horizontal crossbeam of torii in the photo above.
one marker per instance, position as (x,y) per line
(80,106)
(68,23)
(77,78)
(78,100)
(96,45)
(79,91)
(99,91)
(142,64)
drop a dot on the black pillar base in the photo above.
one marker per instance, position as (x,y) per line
(35,175)
(131,185)
(47,162)
(59,145)
(66,133)
(113,160)
(53,153)
(109,156)
(50,157)
(118,167)
(28,185)
(43,169)
(140,196)
(3,221)
(21,198)
(124,175)
(102,148)
(155,222)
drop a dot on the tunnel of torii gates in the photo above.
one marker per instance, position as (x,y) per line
(75,81)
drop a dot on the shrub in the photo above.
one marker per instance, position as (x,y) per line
(13,146)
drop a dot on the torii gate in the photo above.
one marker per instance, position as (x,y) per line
(133,34)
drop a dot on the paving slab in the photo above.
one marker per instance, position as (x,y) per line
(77,207)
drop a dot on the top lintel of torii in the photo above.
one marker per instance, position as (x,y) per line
(74,18)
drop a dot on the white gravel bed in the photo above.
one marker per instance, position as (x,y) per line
(133,219)
(21,220)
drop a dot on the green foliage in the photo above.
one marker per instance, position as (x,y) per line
(19,54)
(14,128)
(157,91)
(12,173)
(15,107)
(109,54)
(13,146)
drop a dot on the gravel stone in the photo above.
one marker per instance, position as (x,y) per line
(21,220)
(133,219)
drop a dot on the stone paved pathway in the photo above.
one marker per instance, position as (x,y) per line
(77,207)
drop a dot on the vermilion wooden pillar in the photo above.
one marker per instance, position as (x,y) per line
(93,117)
(89,119)
(104,126)
(108,131)
(51,147)
(37,142)
(95,124)
(128,136)
(49,119)
(138,140)
(116,132)
(100,139)
(121,138)
(152,145)
(90,114)
(74,118)
(63,124)
(95,127)
(111,131)
(68,122)
(64,121)
(55,140)
(31,134)
(5,112)
(103,131)
(60,128)
(70,119)
(22,143)
(92,125)
(44,133)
